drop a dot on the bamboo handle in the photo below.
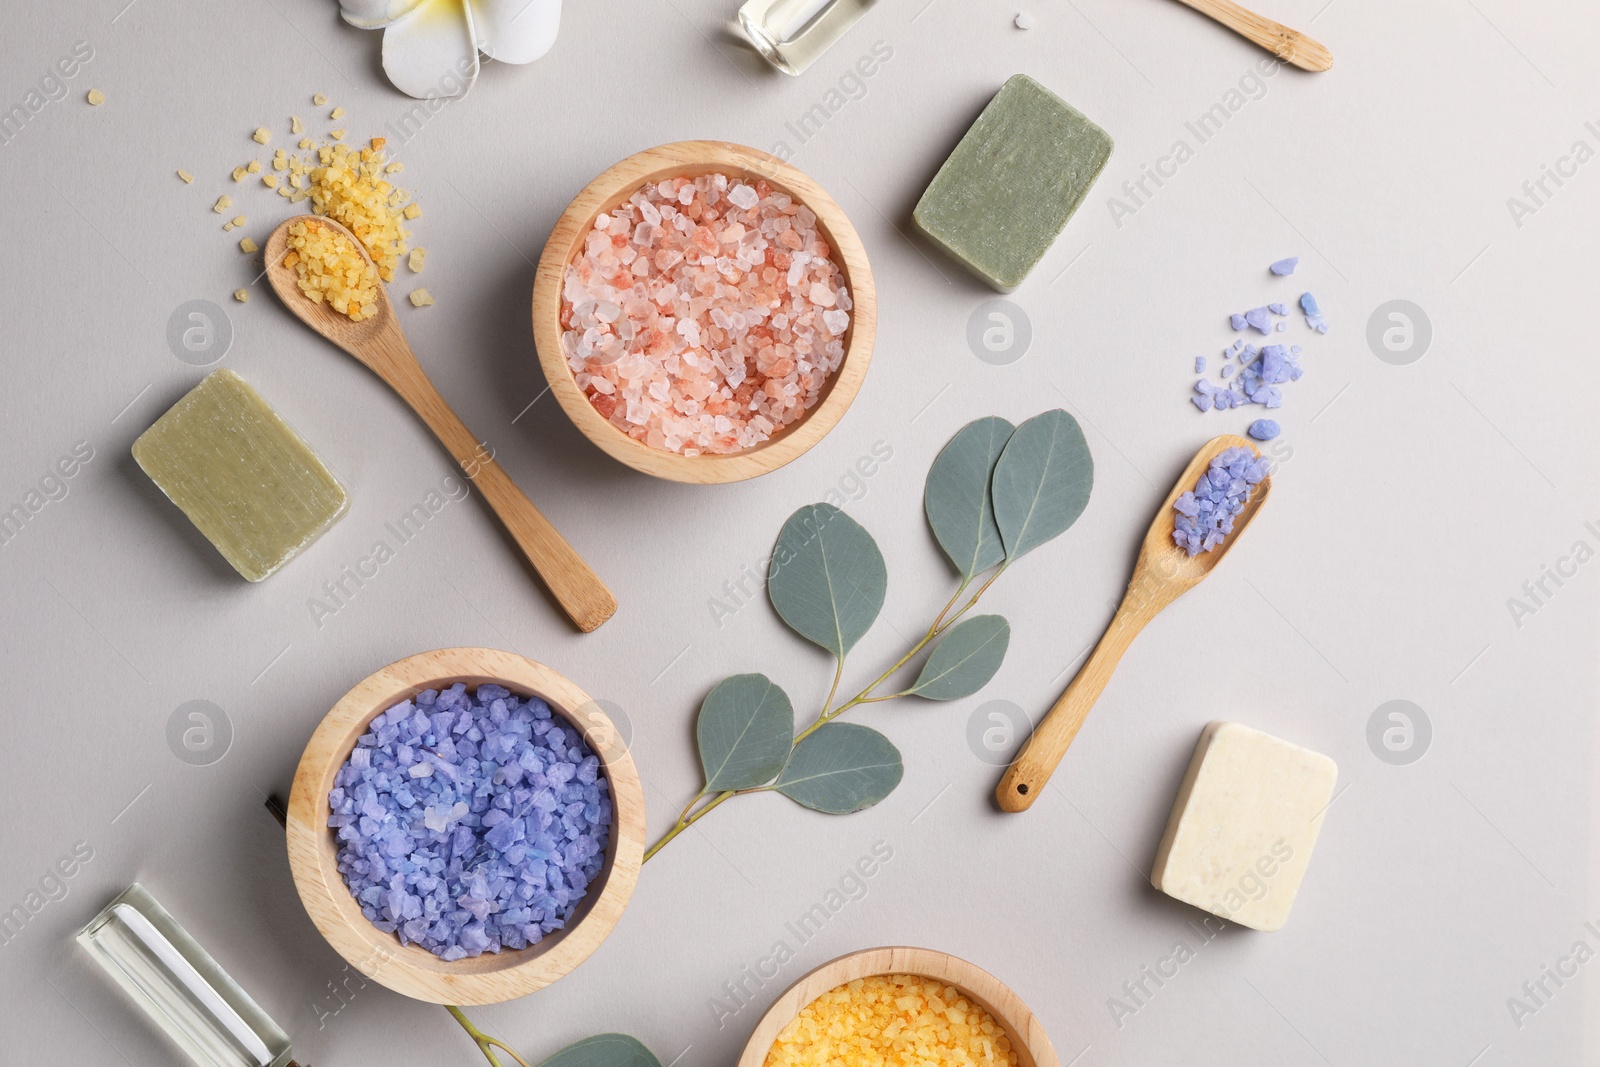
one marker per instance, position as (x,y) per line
(1291,46)
(575,587)
(1030,772)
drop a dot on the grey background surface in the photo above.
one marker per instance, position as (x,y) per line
(1417,501)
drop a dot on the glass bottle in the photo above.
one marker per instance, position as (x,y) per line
(793,33)
(180,987)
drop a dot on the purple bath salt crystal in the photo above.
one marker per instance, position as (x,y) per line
(1202,402)
(1282,326)
(1285,266)
(1313,310)
(1263,429)
(1257,319)
(1206,515)
(1199,364)
(1237,321)
(468,822)
(1278,309)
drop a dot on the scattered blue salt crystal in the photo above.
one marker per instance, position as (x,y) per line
(490,837)
(1278,309)
(1237,321)
(1285,266)
(1227,371)
(1205,515)
(1257,319)
(1199,364)
(1313,310)
(1202,402)
(1282,326)
(1264,429)
(1204,387)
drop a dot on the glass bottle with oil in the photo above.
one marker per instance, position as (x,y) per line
(791,34)
(180,987)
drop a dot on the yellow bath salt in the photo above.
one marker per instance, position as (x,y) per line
(262,135)
(188,179)
(896,1020)
(421,298)
(336,113)
(253,167)
(329,268)
(242,295)
(295,125)
(95,97)
(247,245)
(351,190)
(414,261)
(318,99)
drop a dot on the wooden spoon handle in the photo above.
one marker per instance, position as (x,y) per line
(1291,46)
(575,587)
(1030,772)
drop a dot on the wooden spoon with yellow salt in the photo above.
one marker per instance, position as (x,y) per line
(324,297)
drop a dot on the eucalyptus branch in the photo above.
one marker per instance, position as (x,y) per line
(995,493)
(485,1043)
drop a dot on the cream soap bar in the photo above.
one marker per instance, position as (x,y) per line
(1010,186)
(241,474)
(1243,826)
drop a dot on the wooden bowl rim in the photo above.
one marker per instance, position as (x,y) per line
(611,187)
(414,971)
(994,996)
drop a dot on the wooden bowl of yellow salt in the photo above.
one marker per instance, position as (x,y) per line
(713,358)
(873,998)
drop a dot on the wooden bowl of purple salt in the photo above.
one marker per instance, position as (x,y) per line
(704,312)
(466,826)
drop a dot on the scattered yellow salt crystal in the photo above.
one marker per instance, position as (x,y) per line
(306,142)
(394,168)
(338,135)
(247,245)
(318,100)
(378,143)
(226,227)
(284,190)
(412,211)
(239,173)
(95,97)
(415,260)
(223,203)
(254,166)
(262,135)
(280,161)
(421,298)
(242,295)
(295,125)
(239,220)
(186,176)
(336,113)
(270,181)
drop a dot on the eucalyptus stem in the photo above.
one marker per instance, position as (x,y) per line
(829,713)
(485,1043)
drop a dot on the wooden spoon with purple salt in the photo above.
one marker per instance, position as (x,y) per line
(357,316)
(1194,528)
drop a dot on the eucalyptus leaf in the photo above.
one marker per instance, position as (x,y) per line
(604,1050)
(957,500)
(964,661)
(841,768)
(744,732)
(1041,482)
(828,578)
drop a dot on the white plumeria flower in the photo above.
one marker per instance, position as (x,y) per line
(430,47)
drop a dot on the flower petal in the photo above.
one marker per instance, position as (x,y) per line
(374,14)
(516,31)
(430,52)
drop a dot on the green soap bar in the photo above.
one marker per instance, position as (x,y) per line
(1010,186)
(241,474)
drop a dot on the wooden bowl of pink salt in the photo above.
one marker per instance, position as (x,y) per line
(704,312)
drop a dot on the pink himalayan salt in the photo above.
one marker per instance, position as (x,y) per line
(704,315)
